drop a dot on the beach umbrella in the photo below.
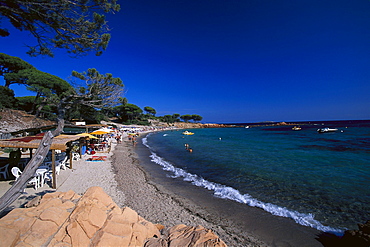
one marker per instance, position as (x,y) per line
(106,129)
(87,135)
(99,132)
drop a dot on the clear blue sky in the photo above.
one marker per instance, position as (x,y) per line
(233,61)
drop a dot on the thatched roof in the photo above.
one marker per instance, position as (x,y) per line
(60,142)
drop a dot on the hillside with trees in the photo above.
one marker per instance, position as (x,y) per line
(102,97)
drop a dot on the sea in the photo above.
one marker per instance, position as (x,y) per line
(320,180)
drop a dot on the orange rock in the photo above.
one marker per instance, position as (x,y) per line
(77,235)
(94,221)
(130,215)
(119,229)
(107,239)
(39,233)
(182,235)
(10,236)
(69,195)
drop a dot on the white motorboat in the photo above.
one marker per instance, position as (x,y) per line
(325,130)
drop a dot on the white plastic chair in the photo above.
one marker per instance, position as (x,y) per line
(59,164)
(4,171)
(17,173)
(63,163)
(76,156)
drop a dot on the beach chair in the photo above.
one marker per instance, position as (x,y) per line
(17,173)
(76,156)
(59,164)
(4,171)
(62,163)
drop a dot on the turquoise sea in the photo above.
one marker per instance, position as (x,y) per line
(318,180)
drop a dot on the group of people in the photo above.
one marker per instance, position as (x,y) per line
(133,138)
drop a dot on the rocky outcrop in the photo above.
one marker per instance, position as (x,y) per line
(15,120)
(93,219)
(183,125)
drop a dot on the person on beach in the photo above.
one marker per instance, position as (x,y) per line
(134,141)
(118,139)
(14,158)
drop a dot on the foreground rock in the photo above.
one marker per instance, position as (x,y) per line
(93,219)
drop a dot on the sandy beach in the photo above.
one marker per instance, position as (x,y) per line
(133,182)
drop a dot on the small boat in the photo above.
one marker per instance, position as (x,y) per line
(296,128)
(325,130)
(188,133)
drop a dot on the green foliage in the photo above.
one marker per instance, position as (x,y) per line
(150,110)
(7,99)
(170,118)
(79,26)
(86,113)
(47,87)
(10,65)
(186,117)
(196,118)
(44,84)
(130,112)
(48,112)
(26,103)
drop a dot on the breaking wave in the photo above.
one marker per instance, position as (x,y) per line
(226,192)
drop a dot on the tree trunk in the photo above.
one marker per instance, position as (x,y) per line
(29,171)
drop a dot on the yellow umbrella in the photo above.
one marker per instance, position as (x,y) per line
(99,132)
(88,135)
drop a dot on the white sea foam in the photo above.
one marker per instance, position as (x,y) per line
(230,193)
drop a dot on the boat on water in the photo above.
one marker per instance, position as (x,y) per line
(188,133)
(325,130)
(296,128)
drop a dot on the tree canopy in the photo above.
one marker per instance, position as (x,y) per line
(150,110)
(7,99)
(79,26)
(10,65)
(98,90)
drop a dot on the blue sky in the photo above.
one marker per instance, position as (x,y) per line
(232,61)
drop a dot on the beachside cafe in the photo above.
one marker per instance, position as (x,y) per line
(61,144)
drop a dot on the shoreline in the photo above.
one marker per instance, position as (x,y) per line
(132,180)
(235,219)
(156,203)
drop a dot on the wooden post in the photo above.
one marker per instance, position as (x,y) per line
(53,169)
(70,159)
(81,143)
